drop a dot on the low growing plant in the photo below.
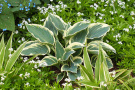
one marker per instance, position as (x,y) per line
(62,43)
(100,78)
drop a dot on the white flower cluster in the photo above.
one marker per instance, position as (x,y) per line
(112,73)
(79,14)
(121,4)
(80,78)
(117,36)
(103,84)
(67,84)
(44,10)
(95,6)
(2,79)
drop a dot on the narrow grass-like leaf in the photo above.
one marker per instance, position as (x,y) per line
(14,57)
(2,53)
(87,62)
(7,51)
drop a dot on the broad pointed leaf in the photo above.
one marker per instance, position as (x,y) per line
(79,37)
(77,27)
(41,33)
(75,45)
(58,22)
(97,30)
(35,49)
(59,50)
(90,84)
(50,60)
(48,23)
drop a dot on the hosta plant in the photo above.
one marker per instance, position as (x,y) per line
(7,57)
(62,43)
(100,78)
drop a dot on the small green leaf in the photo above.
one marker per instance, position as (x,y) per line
(77,60)
(97,30)
(60,76)
(41,33)
(50,60)
(90,84)
(71,68)
(67,53)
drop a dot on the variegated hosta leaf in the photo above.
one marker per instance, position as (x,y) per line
(77,60)
(105,46)
(67,53)
(60,76)
(77,52)
(72,76)
(59,50)
(35,49)
(93,49)
(48,23)
(97,30)
(58,22)
(75,45)
(79,37)
(77,27)
(71,68)
(50,60)
(41,33)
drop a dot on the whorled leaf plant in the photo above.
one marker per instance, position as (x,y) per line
(100,78)
(62,43)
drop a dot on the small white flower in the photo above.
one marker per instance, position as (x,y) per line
(105,85)
(117,89)
(27,75)
(64,84)
(38,70)
(78,2)
(10,55)
(102,83)
(113,75)
(16,32)
(2,78)
(20,75)
(27,84)
(19,41)
(10,49)
(119,42)
(126,29)
(70,84)
(80,78)
(1,83)
(35,66)
(23,39)
(51,0)
(67,79)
